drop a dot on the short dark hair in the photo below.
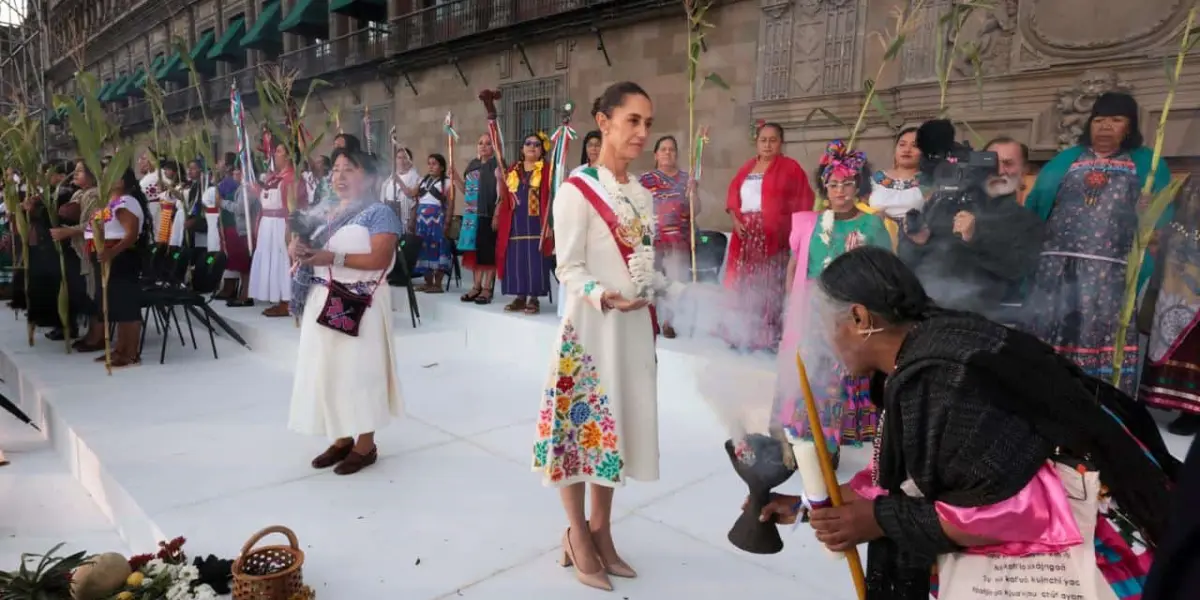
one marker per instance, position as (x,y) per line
(1006,139)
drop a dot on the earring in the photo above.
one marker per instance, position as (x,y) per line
(869,331)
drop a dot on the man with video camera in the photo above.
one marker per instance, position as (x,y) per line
(972,244)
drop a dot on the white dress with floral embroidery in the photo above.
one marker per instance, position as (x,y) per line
(598,417)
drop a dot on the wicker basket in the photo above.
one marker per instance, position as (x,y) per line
(269,572)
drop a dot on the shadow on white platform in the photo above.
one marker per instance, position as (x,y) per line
(199,447)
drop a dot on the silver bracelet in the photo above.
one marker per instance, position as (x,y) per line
(339,259)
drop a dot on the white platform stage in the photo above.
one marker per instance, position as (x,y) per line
(198,447)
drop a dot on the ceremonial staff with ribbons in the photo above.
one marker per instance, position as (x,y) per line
(558,166)
(237,115)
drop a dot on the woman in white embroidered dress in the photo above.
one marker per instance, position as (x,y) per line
(270,271)
(598,423)
(346,386)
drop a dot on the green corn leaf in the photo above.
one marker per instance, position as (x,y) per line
(717,80)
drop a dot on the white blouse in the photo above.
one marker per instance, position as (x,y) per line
(751,193)
(113,229)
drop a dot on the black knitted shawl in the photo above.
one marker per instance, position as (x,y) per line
(974,409)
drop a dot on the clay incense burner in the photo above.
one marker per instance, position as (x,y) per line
(758,459)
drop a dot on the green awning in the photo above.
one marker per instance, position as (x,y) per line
(127,84)
(200,51)
(107,90)
(366,10)
(139,82)
(264,34)
(229,48)
(307,18)
(172,69)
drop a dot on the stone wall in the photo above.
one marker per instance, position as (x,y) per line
(652,54)
(1042,63)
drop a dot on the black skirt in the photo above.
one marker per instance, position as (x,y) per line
(45,279)
(124,288)
(485,243)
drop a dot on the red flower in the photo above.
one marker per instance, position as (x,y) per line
(138,561)
(565,384)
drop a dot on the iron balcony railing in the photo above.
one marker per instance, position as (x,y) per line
(458,19)
(360,47)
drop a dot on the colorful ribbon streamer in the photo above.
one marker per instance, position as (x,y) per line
(237,115)
(562,141)
(701,140)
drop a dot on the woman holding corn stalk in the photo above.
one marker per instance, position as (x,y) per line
(126,234)
(762,197)
(1089,197)
(45,272)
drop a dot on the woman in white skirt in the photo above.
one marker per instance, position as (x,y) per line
(598,420)
(270,271)
(345,385)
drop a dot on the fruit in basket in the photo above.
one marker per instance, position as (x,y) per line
(135,579)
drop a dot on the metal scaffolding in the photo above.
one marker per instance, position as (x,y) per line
(22,54)
(24,58)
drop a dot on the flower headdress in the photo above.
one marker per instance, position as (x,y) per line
(839,161)
(541,135)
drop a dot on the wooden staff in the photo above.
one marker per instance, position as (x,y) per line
(828,473)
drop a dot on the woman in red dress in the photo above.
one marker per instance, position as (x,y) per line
(761,199)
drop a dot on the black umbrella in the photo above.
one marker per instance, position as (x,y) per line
(16,412)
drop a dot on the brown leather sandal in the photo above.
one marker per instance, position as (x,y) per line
(332,455)
(533,307)
(277,311)
(517,305)
(355,462)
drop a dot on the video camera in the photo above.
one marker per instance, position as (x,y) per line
(954,170)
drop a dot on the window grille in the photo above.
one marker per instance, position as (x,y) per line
(528,107)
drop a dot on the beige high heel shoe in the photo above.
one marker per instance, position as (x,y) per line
(598,580)
(618,568)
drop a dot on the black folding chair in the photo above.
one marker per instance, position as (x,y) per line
(408,251)
(710,255)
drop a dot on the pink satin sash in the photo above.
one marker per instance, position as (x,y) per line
(1037,520)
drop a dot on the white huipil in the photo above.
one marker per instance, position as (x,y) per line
(598,417)
(211,239)
(346,386)
(270,269)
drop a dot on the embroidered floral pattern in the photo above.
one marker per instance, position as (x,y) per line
(576,430)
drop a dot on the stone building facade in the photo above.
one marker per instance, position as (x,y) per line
(1040,64)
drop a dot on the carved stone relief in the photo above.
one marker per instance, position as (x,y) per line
(991,35)
(920,48)
(1075,104)
(774,50)
(1089,29)
(808,47)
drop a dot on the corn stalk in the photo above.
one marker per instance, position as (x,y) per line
(276,91)
(26,152)
(1152,207)
(892,43)
(12,201)
(697,26)
(93,132)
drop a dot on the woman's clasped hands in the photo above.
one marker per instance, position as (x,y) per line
(612,300)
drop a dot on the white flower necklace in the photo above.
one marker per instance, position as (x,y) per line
(637,220)
(827,234)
